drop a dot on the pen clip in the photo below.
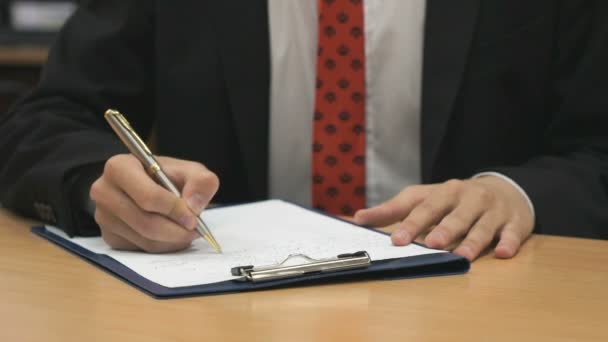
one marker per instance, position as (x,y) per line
(122,121)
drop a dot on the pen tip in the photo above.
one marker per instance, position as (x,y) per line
(214,243)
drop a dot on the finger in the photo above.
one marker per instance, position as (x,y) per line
(126,173)
(509,242)
(480,236)
(120,236)
(198,184)
(457,223)
(393,210)
(107,223)
(149,225)
(118,242)
(429,212)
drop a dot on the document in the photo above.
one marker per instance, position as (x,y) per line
(260,233)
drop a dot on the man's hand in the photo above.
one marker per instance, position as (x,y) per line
(135,213)
(478,210)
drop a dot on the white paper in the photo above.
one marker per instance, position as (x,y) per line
(261,233)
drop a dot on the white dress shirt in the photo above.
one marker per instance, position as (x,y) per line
(394,36)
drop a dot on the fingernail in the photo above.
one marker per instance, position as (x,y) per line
(189,222)
(438,237)
(402,236)
(504,251)
(465,251)
(196,202)
(357,218)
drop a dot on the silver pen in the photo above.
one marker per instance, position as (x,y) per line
(138,148)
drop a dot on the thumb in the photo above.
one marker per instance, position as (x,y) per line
(198,184)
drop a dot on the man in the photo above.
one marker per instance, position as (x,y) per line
(498,107)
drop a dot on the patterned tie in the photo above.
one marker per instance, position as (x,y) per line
(338,161)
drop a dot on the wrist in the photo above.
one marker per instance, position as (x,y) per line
(512,194)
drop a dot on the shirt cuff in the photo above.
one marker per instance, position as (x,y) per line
(515,185)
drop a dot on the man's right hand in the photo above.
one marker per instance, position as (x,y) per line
(136,213)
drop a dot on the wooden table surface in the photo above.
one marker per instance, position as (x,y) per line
(26,55)
(556,289)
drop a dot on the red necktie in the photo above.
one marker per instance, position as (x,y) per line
(338,161)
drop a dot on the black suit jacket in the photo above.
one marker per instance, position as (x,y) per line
(520,87)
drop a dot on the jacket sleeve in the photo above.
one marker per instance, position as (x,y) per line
(568,183)
(103,58)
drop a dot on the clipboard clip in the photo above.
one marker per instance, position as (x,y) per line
(281,271)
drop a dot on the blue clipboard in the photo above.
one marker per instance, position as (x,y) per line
(410,267)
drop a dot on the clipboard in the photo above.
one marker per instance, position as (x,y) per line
(295,270)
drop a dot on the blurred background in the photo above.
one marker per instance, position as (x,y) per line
(27,29)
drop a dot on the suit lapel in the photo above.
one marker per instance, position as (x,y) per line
(245,53)
(449,28)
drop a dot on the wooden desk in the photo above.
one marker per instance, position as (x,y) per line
(555,290)
(23,56)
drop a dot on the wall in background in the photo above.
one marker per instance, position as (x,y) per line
(27,29)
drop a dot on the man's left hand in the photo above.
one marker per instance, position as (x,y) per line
(480,210)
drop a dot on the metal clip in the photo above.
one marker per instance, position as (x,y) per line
(282,271)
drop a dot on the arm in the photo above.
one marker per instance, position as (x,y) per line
(102,58)
(567,182)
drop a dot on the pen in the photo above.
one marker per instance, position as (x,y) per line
(138,148)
